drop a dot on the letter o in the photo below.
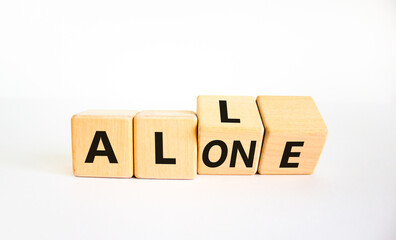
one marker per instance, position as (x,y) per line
(205,154)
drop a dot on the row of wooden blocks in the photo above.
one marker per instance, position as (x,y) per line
(228,135)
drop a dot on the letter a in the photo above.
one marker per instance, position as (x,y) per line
(93,150)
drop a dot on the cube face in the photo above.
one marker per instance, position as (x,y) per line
(295,135)
(102,143)
(230,134)
(165,144)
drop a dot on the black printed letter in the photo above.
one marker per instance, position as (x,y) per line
(205,154)
(224,114)
(159,151)
(108,150)
(288,153)
(238,146)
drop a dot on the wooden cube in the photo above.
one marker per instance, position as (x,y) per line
(102,143)
(295,135)
(165,144)
(230,134)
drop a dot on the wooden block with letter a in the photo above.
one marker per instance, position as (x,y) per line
(295,135)
(165,144)
(102,143)
(230,134)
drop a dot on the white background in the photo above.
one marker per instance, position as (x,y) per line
(59,58)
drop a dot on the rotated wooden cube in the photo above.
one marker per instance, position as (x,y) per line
(165,144)
(295,134)
(230,134)
(102,143)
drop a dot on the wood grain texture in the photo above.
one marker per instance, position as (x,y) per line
(118,126)
(290,119)
(210,128)
(179,137)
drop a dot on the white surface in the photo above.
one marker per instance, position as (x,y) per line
(57,59)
